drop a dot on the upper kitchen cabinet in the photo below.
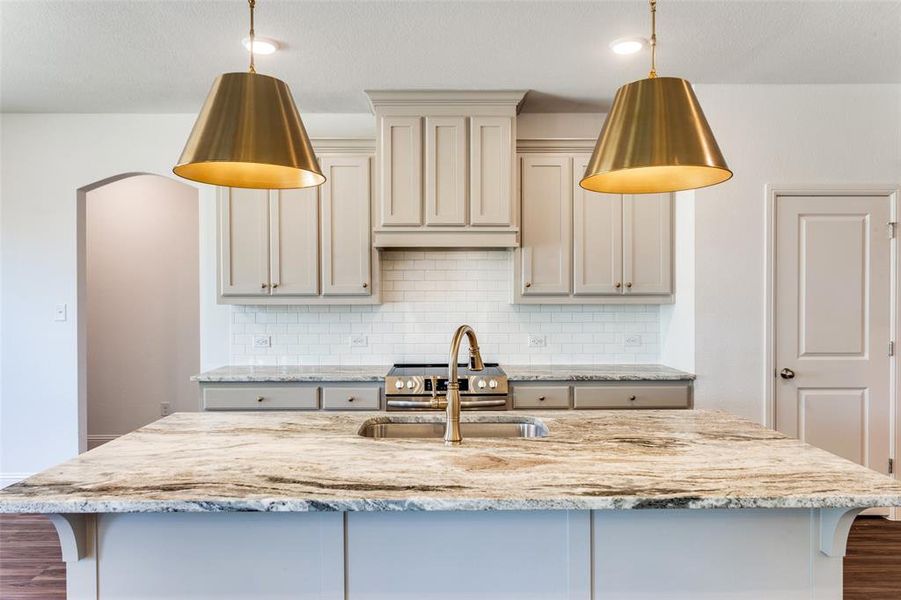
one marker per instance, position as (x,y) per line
(303,246)
(581,247)
(445,169)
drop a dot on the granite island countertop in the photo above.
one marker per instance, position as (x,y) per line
(289,461)
(375,373)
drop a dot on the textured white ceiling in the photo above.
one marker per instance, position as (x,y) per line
(161,56)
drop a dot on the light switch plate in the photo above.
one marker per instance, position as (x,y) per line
(262,341)
(633,340)
(537,341)
(59,313)
(358,341)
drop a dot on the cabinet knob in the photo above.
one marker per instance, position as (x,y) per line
(264,286)
(365,285)
(350,399)
(528,284)
(274,285)
(260,398)
(628,284)
(541,398)
(618,285)
(632,398)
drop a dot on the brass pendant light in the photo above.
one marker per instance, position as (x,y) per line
(655,138)
(249,134)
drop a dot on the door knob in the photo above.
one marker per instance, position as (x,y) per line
(787,374)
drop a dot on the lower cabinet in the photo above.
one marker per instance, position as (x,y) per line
(287,396)
(602,395)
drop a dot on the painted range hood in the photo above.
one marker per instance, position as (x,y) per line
(445,169)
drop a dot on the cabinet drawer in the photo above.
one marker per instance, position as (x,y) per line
(350,398)
(631,396)
(261,398)
(556,396)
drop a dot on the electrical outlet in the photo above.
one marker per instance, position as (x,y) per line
(537,341)
(633,340)
(358,341)
(165,409)
(262,341)
(59,313)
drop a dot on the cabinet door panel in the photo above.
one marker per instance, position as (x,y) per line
(491,172)
(597,238)
(647,243)
(346,266)
(400,171)
(244,242)
(546,224)
(294,237)
(445,172)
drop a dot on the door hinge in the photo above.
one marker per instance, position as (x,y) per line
(891,348)
(892,226)
(891,466)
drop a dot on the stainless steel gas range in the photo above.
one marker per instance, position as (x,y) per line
(420,386)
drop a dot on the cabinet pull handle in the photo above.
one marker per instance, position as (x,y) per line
(365,285)
(628,284)
(528,284)
(260,398)
(618,285)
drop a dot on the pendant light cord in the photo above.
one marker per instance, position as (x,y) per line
(252,4)
(653,72)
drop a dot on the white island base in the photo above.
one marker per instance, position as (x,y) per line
(672,554)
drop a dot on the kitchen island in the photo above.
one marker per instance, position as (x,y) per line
(609,504)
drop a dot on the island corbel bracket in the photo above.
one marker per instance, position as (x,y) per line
(835,525)
(73,531)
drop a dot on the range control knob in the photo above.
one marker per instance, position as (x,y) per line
(492,383)
(399,384)
(410,384)
(481,383)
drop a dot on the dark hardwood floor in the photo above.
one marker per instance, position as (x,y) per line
(31,566)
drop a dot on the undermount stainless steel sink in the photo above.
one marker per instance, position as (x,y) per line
(402,429)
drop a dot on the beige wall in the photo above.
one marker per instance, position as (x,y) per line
(143,332)
(772,134)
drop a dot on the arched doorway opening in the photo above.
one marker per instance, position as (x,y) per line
(138,303)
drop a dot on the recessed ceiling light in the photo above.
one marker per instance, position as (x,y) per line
(261,45)
(629,45)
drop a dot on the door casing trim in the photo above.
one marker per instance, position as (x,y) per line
(771,193)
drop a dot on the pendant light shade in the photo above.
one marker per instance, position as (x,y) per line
(249,134)
(655,139)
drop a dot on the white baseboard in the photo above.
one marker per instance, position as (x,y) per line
(98,440)
(7,479)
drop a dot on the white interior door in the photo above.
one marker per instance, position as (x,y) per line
(833,324)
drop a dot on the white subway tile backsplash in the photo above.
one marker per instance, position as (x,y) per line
(425,295)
